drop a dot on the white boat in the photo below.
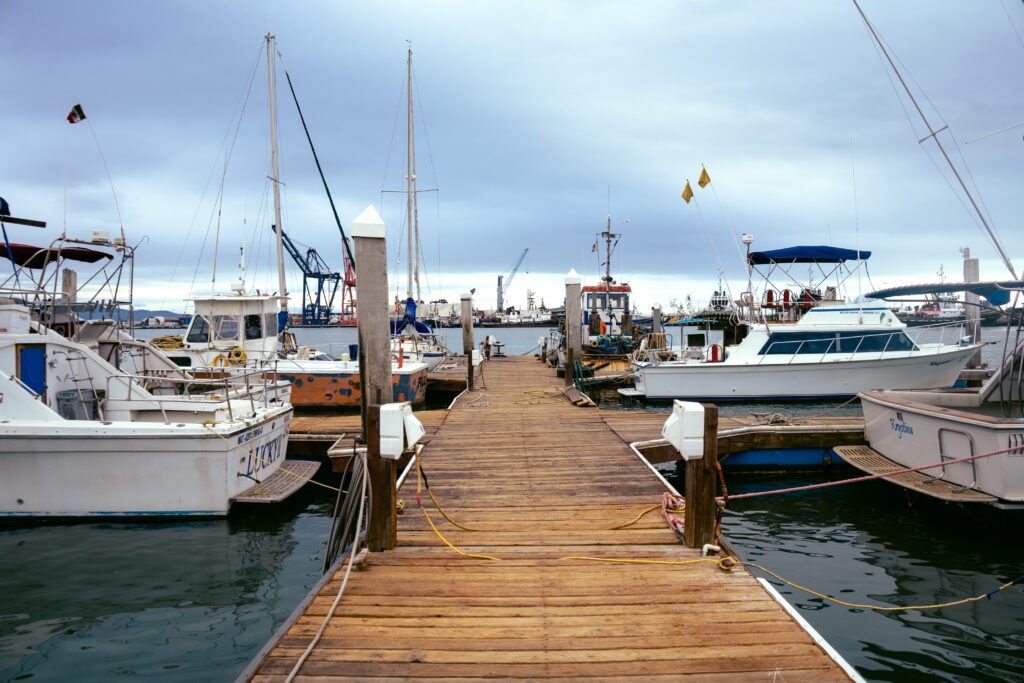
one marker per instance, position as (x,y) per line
(412,340)
(81,437)
(832,351)
(806,345)
(908,429)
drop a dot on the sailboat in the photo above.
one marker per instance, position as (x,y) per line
(974,437)
(230,331)
(412,339)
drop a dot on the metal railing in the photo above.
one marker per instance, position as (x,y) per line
(230,383)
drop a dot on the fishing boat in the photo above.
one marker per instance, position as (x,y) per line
(807,346)
(82,436)
(413,340)
(946,428)
(230,332)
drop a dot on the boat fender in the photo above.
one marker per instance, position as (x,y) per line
(709,548)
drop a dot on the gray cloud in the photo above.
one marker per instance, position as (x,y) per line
(532,111)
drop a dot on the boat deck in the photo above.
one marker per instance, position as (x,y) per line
(873,462)
(549,491)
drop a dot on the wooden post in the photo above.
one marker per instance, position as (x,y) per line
(700,486)
(382,534)
(972,313)
(467,336)
(627,324)
(573,324)
(368,233)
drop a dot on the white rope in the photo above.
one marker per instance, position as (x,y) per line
(353,551)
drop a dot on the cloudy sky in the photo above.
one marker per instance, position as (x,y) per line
(533,118)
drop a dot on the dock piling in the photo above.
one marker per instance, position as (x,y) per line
(467,336)
(573,324)
(368,232)
(700,486)
(382,532)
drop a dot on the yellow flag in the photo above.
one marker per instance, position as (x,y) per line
(705,179)
(687,193)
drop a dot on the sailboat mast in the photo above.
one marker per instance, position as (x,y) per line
(282,286)
(411,213)
(934,135)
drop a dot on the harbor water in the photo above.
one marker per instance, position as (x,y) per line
(195,600)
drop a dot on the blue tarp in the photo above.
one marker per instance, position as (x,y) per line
(820,254)
(995,292)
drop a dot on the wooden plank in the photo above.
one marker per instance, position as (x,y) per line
(540,481)
(873,462)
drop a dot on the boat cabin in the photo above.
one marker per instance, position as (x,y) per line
(223,323)
(604,307)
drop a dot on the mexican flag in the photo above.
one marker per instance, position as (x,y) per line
(76,114)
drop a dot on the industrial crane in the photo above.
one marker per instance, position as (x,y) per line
(316,303)
(502,288)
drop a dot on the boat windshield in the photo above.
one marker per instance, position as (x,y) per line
(789,343)
(225,327)
(253,326)
(199,331)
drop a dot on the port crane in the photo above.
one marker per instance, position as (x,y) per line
(318,299)
(503,288)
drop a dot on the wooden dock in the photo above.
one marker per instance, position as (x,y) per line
(544,484)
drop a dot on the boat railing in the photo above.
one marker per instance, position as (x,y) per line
(229,383)
(71,356)
(944,456)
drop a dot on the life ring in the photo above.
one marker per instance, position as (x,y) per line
(219,361)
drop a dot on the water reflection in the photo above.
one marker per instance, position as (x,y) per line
(868,543)
(179,601)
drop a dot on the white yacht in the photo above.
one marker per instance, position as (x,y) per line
(93,427)
(831,351)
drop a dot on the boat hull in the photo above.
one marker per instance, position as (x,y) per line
(343,388)
(914,434)
(724,382)
(90,469)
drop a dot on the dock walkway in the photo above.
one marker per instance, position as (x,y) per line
(541,480)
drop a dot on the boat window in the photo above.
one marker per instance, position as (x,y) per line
(695,340)
(799,342)
(253,326)
(199,332)
(836,342)
(225,327)
(596,301)
(270,324)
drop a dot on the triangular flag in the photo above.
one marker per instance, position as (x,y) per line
(76,114)
(687,193)
(705,179)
